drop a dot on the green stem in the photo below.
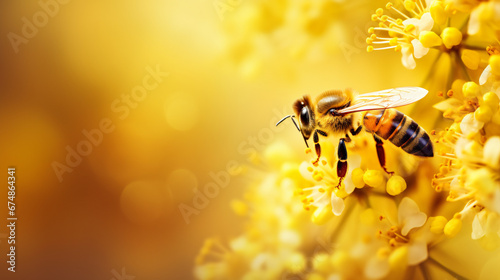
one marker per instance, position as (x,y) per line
(449,271)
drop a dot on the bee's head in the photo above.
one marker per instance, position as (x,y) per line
(304,112)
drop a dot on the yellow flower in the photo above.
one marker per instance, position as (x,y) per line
(490,77)
(372,225)
(401,240)
(484,18)
(324,192)
(471,152)
(464,6)
(256,30)
(406,34)
(436,24)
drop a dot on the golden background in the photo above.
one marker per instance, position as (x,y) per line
(229,80)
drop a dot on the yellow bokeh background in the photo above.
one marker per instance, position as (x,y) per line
(119,206)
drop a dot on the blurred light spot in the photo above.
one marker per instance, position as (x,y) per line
(30,142)
(134,150)
(181,183)
(142,202)
(182,112)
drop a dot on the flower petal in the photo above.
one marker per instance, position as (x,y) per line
(407,57)
(477,228)
(304,172)
(418,49)
(485,75)
(470,125)
(337,205)
(376,268)
(425,23)
(320,198)
(417,252)
(474,23)
(409,21)
(449,103)
(409,215)
(354,162)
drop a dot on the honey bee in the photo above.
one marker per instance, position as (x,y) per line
(341,112)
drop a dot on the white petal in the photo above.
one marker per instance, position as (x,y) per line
(455,183)
(320,198)
(376,268)
(449,103)
(349,184)
(470,125)
(418,49)
(409,21)
(304,172)
(413,221)
(409,215)
(417,252)
(460,148)
(485,75)
(337,205)
(474,23)
(477,228)
(354,162)
(425,23)
(407,58)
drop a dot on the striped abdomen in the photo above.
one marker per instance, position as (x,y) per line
(400,129)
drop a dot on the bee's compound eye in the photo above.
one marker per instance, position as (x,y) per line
(304,116)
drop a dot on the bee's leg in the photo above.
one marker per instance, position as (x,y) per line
(347,138)
(357,131)
(342,161)
(316,143)
(381,153)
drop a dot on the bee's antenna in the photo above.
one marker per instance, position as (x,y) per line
(293,120)
(291,117)
(305,141)
(284,118)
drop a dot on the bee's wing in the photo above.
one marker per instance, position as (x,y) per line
(384,99)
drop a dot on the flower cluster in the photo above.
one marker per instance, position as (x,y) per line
(283,30)
(304,222)
(471,151)
(271,244)
(413,27)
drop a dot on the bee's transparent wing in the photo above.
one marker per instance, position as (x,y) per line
(384,99)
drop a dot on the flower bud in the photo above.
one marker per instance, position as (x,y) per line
(451,37)
(395,185)
(453,227)
(429,39)
(374,178)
